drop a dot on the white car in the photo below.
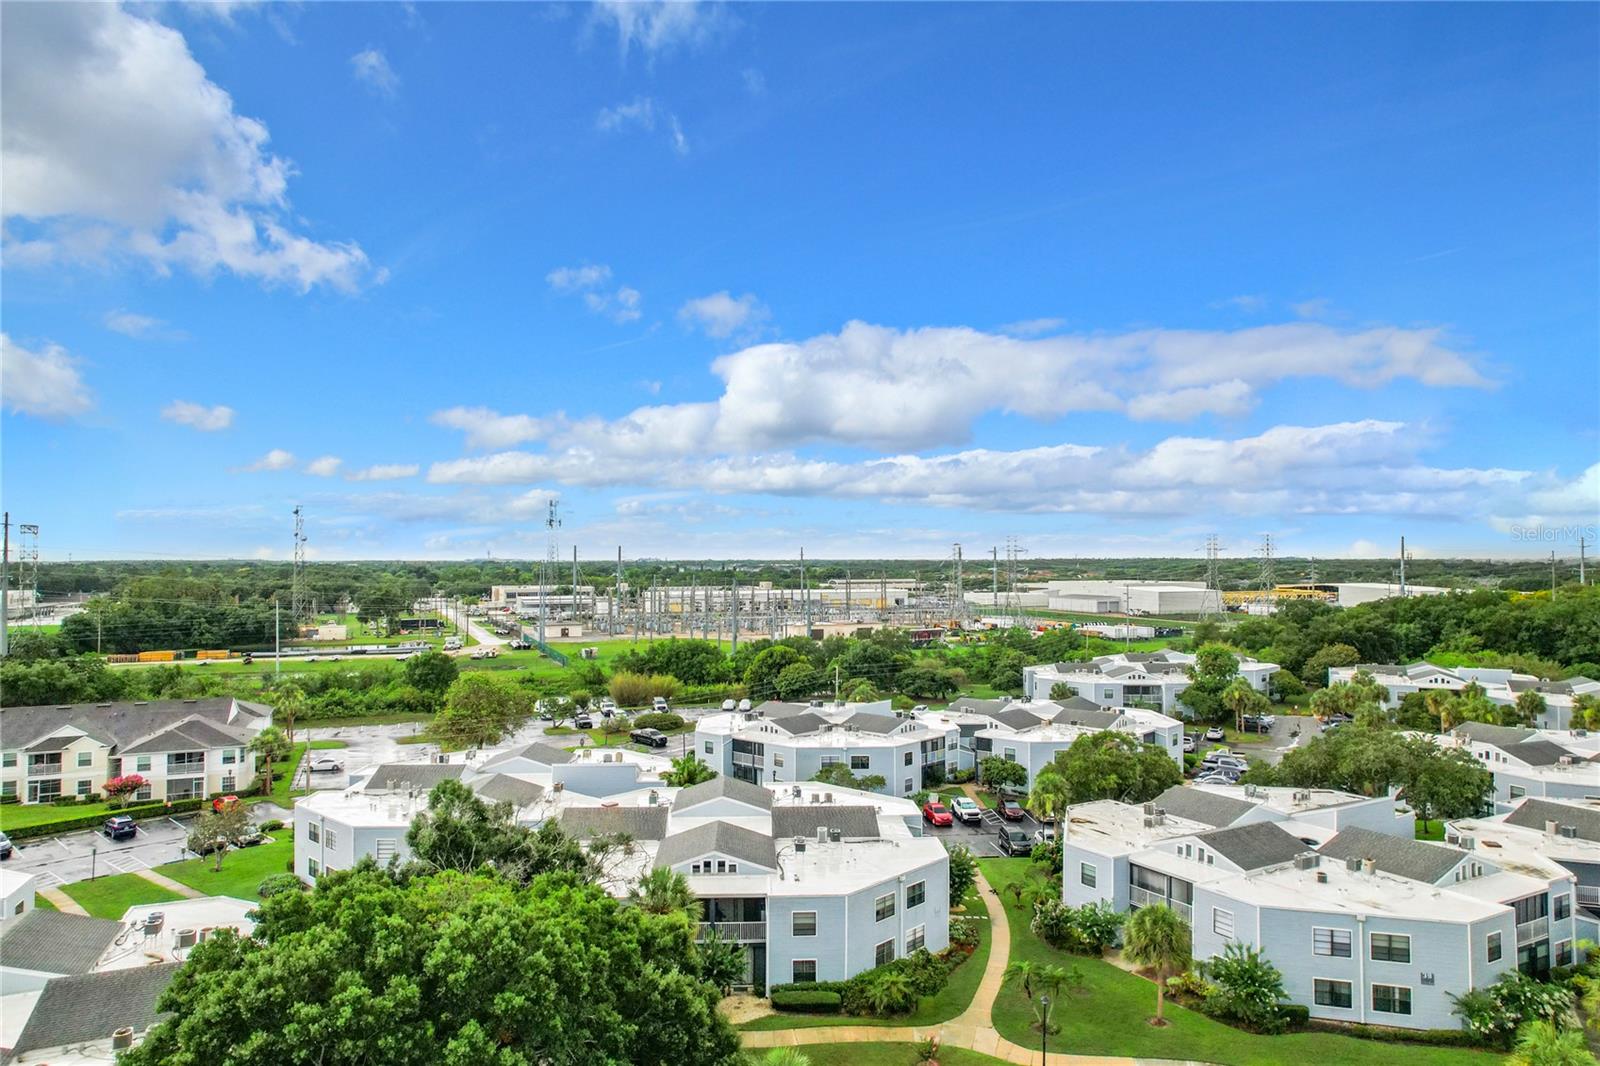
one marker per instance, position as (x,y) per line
(967,810)
(326,765)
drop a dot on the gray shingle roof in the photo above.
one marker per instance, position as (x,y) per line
(1199,805)
(127,722)
(800,724)
(1256,845)
(1539,752)
(801,820)
(503,788)
(1534,813)
(1501,736)
(723,786)
(1416,860)
(867,722)
(1096,718)
(544,754)
(779,709)
(400,776)
(53,942)
(724,838)
(1077,703)
(189,735)
(641,823)
(86,1008)
(971,705)
(1017,718)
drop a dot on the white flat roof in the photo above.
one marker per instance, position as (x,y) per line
(135,948)
(1353,892)
(1108,827)
(1522,849)
(1288,800)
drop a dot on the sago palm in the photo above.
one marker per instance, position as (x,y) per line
(664,891)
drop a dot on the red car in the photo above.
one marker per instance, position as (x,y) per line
(1011,810)
(937,813)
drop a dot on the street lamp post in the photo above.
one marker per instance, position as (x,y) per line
(1044,1028)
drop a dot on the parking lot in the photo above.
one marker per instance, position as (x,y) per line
(981,839)
(78,856)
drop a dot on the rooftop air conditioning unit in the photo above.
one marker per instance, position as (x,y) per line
(1551,826)
(822,834)
(185,938)
(1468,843)
(1569,831)
(1352,864)
(558,786)
(827,797)
(1369,867)
(1149,808)
(1149,821)
(655,797)
(795,791)
(834,836)
(1322,877)
(1307,861)
(1565,760)
(441,758)
(799,844)
(122,1039)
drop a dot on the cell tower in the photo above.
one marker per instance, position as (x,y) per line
(1268,573)
(550,566)
(958,606)
(297,598)
(28,565)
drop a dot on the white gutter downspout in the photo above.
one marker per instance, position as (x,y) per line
(1361,965)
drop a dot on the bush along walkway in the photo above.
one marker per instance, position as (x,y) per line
(970,1029)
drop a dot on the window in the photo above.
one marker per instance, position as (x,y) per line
(908,758)
(1335,942)
(910,786)
(229,756)
(1222,922)
(228,782)
(312,868)
(331,837)
(1517,791)
(8,759)
(46,791)
(884,906)
(1564,953)
(1494,948)
(85,787)
(1391,999)
(85,758)
(1563,907)
(860,762)
(916,895)
(1332,993)
(142,765)
(777,758)
(804,923)
(708,747)
(313,831)
(8,788)
(1086,875)
(884,953)
(385,850)
(916,939)
(143,793)
(1391,947)
(804,970)
(1011,754)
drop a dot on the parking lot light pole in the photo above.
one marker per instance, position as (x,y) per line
(94,854)
(1044,1029)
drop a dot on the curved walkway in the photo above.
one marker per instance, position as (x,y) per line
(970,1029)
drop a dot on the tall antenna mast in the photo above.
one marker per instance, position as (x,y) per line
(297,592)
(1268,574)
(1402,568)
(994,566)
(28,567)
(1583,542)
(804,592)
(549,567)
(958,609)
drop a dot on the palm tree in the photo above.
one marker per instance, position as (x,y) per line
(1050,795)
(1542,1043)
(1021,973)
(664,891)
(1238,698)
(268,745)
(1158,938)
(785,1056)
(890,993)
(1052,979)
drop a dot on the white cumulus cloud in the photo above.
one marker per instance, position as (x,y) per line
(130,324)
(659,25)
(276,459)
(384,472)
(722,315)
(324,466)
(117,145)
(593,282)
(198,416)
(45,382)
(486,428)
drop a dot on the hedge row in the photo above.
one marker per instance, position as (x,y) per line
(137,812)
(1437,1037)
(817,1001)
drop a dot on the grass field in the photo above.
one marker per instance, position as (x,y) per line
(1432,830)
(110,897)
(884,1055)
(42,903)
(19,816)
(1109,1018)
(951,1000)
(242,870)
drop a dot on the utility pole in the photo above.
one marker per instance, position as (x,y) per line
(1402,568)
(735,613)
(5,588)
(1552,575)
(277,636)
(1582,544)
(805,594)
(994,570)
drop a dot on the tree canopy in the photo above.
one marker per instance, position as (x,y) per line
(1110,765)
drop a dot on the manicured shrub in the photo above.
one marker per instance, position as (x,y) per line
(819,1002)
(662,720)
(276,884)
(1295,1015)
(271,825)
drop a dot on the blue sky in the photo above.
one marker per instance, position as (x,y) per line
(734,280)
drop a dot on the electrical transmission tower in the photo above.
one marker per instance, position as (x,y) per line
(1213,578)
(1012,613)
(550,566)
(958,606)
(1267,575)
(297,594)
(28,566)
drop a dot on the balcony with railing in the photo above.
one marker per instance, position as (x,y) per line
(43,765)
(1589,896)
(186,762)
(1528,932)
(739,932)
(1143,897)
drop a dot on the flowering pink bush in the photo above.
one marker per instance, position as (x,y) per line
(123,788)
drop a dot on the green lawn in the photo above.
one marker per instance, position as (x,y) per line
(1110,1017)
(421,721)
(110,897)
(955,997)
(282,792)
(19,815)
(242,870)
(883,1055)
(950,792)
(1432,830)
(42,903)
(327,745)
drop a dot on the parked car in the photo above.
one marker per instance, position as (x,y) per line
(1014,841)
(936,813)
(659,705)
(1045,834)
(650,738)
(5,847)
(1190,743)
(1215,733)
(583,721)
(326,765)
(1258,723)
(252,839)
(967,810)
(120,827)
(1011,810)
(1232,765)
(1218,777)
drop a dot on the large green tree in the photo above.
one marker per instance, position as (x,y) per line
(1110,765)
(480,709)
(445,970)
(432,671)
(459,831)
(1215,667)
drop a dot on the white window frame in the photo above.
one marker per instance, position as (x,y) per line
(1399,988)
(879,903)
(919,887)
(1401,962)
(314,832)
(1333,933)
(1088,875)
(1494,946)
(85,786)
(708,747)
(330,837)
(866,762)
(877,952)
(916,938)
(312,868)
(796,978)
(1217,922)
(141,764)
(1349,987)
(794,926)
(1516,791)
(85,758)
